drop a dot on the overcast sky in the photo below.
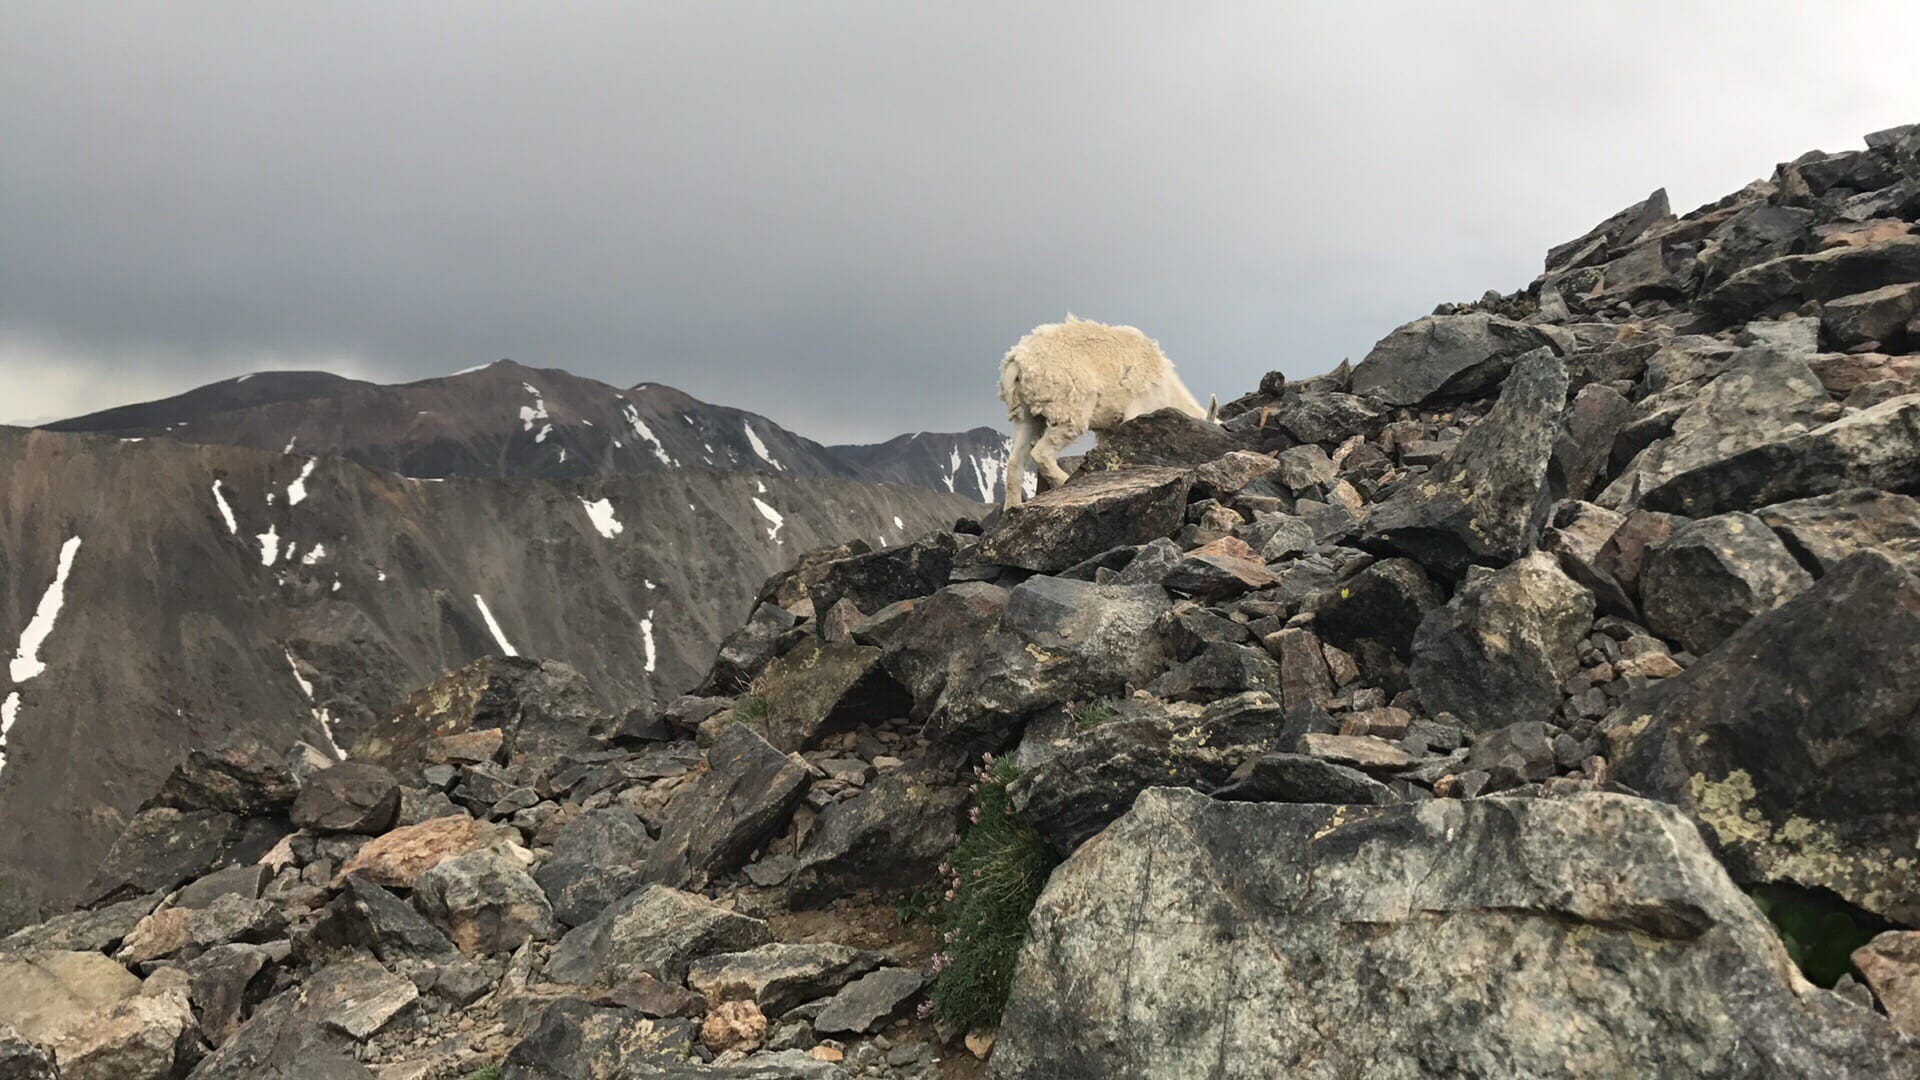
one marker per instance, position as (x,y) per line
(841,215)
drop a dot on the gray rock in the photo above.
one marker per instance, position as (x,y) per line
(1059,640)
(891,836)
(656,931)
(1384,602)
(1877,447)
(1517,754)
(1824,530)
(98,930)
(876,579)
(1577,536)
(242,881)
(596,860)
(98,1020)
(918,648)
(779,976)
(1821,275)
(161,848)
(1446,356)
(1496,654)
(1793,742)
(1584,443)
(1613,234)
(239,776)
(357,997)
(715,823)
(351,797)
(1169,945)
(869,1001)
(285,1039)
(485,902)
(1327,417)
(367,916)
(1762,392)
(1304,677)
(1059,528)
(228,918)
(575,1039)
(20,1059)
(1167,437)
(818,688)
(1488,501)
(1300,778)
(1712,575)
(747,651)
(1878,316)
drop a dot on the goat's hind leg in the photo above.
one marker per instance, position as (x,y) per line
(1025,430)
(1046,451)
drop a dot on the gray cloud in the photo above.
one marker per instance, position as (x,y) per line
(841,215)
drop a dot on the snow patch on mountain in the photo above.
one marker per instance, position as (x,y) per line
(26,659)
(760,448)
(226,512)
(493,627)
(771,515)
(297,491)
(600,512)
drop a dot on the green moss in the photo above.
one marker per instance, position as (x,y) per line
(750,709)
(1092,715)
(916,906)
(995,875)
(1820,931)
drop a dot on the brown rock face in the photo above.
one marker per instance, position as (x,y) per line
(733,1025)
(397,859)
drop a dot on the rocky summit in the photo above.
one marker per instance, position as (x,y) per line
(1539,696)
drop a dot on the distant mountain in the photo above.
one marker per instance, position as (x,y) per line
(210,589)
(507,419)
(971,463)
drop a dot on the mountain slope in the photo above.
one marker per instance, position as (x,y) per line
(206,584)
(971,463)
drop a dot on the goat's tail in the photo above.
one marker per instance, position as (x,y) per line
(1213,408)
(1010,385)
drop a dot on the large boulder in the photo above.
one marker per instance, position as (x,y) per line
(227,919)
(1822,531)
(351,797)
(98,1020)
(544,707)
(161,848)
(1497,653)
(1795,743)
(1878,317)
(748,650)
(1597,244)
(820,687)
(874,580)
(1712,575)
(657,931)
(714,823)
(1094,513)
(1821,275)
(1059,640)
(1488,500)
(1763,391)
(239,776)
(779,976)
(597,859)
(398,858)
(485,902)
(578,1039)
(924,642)
(1447,356)
(1168,437)
(1877,447)
(1494,938)
(893,835)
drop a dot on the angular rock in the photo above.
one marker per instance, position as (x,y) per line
(227,919)
(1793,743)
(1224,477)
(485,902)
(918,649)
(818,688)
(98,1021)
(1304,678)
(1095,513)
(715,823)
(1890,965)
(1488,501)
(874,580)
(1584,443)
(1763,391)
(284,1040)
(240,776)
(1623,557)
(891,836)
(20,1059)
(1877,447)
(1301,778)
(1059,640)
(1446,356)
(242,881)
(1164,438)
(778,977)
(357,996)
(1497,653)
(160,848)
(100,930)
(1613,234)
(869,1001)
(734,1025)
(1172,944)
(596,860)
(545,708)
(1821,275)
(351,797)
(1577,537)
(1879,316)
(747,651)
(657,931)
(1712,575)
(1324,418)
(1384,602)
(1357,751)
(1219,570)
(397,859)
(465,748)
(1822,531)
(575,1039)
(367,916)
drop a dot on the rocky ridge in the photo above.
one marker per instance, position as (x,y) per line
(1494,707)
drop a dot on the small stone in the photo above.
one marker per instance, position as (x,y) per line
(980,1043)
(351,797)
(1358,751)
(870,1001)
(734,1025)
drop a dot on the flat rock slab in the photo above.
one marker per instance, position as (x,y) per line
(1441,356)
(657,931)
(712,825)
(869,1001)
(1498,938)
(1094,513)
(779,976)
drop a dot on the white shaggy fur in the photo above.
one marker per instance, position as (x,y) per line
(1068,378)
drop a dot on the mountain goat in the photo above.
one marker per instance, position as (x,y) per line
(1065,379)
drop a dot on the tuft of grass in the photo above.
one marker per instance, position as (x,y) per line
(993,879)
(750,709)
(916,906)
(1092,715)
(491,1072)
(1819,931)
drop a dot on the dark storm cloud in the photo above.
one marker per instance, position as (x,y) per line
(841,215)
